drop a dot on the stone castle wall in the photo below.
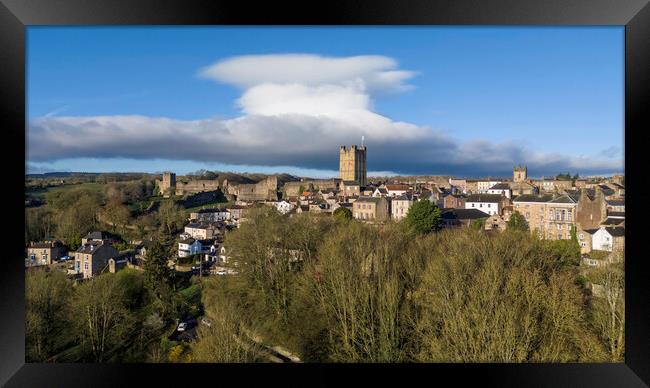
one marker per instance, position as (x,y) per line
(292,189)
(264,190)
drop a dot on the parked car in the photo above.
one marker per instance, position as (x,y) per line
(221,272)
(182,326)
(65,258)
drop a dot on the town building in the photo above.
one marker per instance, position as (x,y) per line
(502,189)
(210,215)
(45,252)
(484,186)
(202,230)
(92,257)
(350,189)
(610,239)
(396,190)
(400,206)
(188,247)
(487,203)
(451,201)
(371,209)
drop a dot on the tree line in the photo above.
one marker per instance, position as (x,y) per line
(396,293)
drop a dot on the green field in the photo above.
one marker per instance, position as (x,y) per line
(42,192)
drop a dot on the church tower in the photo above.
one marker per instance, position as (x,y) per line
(520,174)
(352,164)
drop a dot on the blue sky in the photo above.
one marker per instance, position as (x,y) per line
(473,100)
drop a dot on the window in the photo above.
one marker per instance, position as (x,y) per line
(582,236)
(489,205)
(86,266)
(481,205)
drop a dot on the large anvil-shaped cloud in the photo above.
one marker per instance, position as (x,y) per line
(296,110)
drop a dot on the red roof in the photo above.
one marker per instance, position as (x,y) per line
(396,187)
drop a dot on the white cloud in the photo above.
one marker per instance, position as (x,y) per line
(369,72)
(296,110)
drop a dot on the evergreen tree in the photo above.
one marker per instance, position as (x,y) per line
(423,217)
(517,222)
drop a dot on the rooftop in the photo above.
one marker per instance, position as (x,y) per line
(463,214)
(485,198)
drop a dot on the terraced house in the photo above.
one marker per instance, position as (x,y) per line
(371,209)
(552,217)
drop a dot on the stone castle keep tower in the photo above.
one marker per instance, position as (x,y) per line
(168,185)
(520,174)
(352,164)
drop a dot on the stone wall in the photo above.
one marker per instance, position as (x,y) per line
(292,189)
(264,190)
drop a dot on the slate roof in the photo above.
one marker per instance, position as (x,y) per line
(532,198)
(500,186)
(606,189)
(616,232)
(46,244)
(485,198)
(616,214)
(369,199)
(463,214)
(616,202)
(100,236)
(397,187)
(91,247)
(563,199)
(403,197)
(613,221)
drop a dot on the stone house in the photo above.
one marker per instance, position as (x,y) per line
(210,215)
(370,208)
(45,252)
(400,206)
(495,222)
(350,189)
(92,257)
(585,239)
(202,230)
(452,201)
(551,217)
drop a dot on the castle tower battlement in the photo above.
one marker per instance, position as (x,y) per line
(352,164)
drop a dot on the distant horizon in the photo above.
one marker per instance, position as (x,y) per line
(437,100)
(327,177)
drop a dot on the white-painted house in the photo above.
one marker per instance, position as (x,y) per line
(502,189)
(484,186)
(608,239)
(488,203)
(189,247)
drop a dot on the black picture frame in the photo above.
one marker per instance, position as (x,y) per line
(16,15)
